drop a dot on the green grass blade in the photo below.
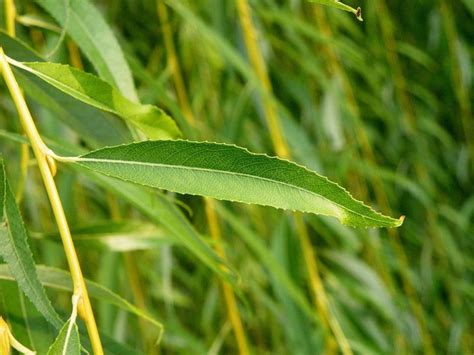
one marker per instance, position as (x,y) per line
(231,173)
(15,251)
(88,88)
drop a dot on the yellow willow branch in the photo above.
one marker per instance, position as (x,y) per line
(10,15)
(335,68)
(281,148)
(258,64)
(212,220)
(7,341)
(173,63)
(132,273)
(389,39)
(380,195)
(459,87)
(229,296)
(47,167)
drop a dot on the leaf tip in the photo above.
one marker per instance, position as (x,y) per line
(358,14)
(401,220)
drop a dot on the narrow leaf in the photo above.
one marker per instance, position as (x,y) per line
(86,25)
(160,209)
(67,341)
(231,173)
(61,280)
(154,122)
(118,236)
(15,251)
(96,127)
(339,5)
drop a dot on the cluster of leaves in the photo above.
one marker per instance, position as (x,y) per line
(358,102)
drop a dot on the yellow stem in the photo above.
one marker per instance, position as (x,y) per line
(173,62)
(258,64)
(8,341)
(132,272)
(459,87)
(10,15)
(281,149)
(46,166)
(317,287)
(74,55)
(408,112)
(229,296)
(336,68)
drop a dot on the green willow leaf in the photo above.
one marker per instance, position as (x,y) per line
(15,251)
(88,88)
(61,280)
(339,5)
(86,25)
(160,209)
(94,126)
(231,173)
(67,341)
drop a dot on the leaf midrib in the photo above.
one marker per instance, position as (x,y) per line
(65,87)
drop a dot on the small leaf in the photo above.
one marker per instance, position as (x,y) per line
(15,251)
(154,122)
(339,5)
(67,342)
(231,173)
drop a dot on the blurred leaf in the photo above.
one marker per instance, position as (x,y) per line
(15,251)
(26,323)
(154,122)
(230,173)
(118,236)
(93,35)
(94,126)
(61,280)
(162,211)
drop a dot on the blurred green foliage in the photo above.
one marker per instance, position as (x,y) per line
(383,107)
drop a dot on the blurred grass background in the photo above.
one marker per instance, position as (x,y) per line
(383,107)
